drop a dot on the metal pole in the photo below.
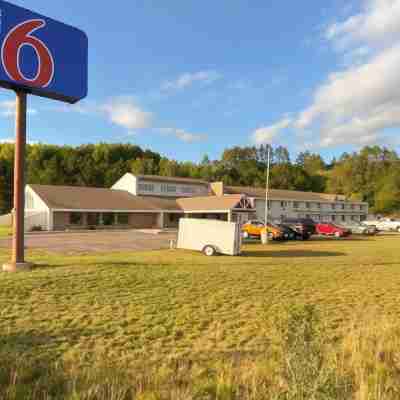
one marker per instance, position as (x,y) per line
(18,253)
(18,249)
(267,191)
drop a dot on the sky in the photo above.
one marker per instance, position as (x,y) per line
(189,78)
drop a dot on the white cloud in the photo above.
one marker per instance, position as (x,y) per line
(183,135)
(7,109)
(188,79)
(7,140)
(124,112)
(358,104)
(377,24)
(11,140)
(266,134)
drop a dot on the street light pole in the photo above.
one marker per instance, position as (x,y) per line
(267,192)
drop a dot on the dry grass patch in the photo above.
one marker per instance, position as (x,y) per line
(222,320)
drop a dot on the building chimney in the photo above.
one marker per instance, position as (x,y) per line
(217,189)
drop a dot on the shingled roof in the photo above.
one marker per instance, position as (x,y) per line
(277,194)
(209,203)
(85,198)
(93,199)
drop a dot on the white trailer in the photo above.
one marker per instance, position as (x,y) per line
(210,236)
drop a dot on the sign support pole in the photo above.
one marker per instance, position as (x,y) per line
(18,247)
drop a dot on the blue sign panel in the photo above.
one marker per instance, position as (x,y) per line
(42,56)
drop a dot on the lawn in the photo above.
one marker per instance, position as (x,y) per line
(157,306)
(5,231)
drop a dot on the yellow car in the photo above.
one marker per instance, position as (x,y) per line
(254,228)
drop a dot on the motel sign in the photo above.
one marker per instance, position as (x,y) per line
(42,57)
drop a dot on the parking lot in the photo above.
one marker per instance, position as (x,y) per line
(95,242)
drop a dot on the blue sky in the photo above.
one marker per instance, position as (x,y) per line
(188,78)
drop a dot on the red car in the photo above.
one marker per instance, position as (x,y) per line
(332,230)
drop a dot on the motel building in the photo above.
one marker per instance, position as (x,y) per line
(155,202)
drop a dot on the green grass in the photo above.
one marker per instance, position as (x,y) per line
(151,308)
(5,231)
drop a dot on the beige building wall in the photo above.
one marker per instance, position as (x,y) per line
(60,220)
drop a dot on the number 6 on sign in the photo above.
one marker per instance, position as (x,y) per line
(21,36)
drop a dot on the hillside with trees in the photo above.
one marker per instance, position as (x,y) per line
(372,174)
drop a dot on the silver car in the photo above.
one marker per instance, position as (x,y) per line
(359,228)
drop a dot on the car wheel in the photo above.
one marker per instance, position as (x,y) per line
(245,235)
(209,251)
(338,234)
(398,229)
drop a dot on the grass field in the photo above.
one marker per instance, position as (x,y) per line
(148,310)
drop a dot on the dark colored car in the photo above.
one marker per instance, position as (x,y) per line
(291,234)
(305,226)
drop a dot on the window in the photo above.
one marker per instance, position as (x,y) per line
(333,206)
(187,189)
(146,187)
(168,188)
(284,204)
(361,207)
(30,201)
(343,218)
(308,205)
(353,207)
(123,219)
(343,207)
(333,218)
(75,218)
(108,219)
(296,204)
(318,205)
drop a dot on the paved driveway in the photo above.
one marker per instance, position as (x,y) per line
(92,242)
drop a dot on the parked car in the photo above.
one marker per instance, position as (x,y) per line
(305,226)
(254,228)
(359,228)
(332,230)
(293,234)
(385,224)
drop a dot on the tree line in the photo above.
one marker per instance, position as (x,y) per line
(371,174)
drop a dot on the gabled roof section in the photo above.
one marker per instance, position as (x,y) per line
(277,194)
(215,203)
(84,198)
(167,179)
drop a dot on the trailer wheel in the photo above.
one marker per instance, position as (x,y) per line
(209,251)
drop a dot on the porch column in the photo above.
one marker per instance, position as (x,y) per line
(161,220)
(84,219)
(230,216)
(101,221)
(115,219)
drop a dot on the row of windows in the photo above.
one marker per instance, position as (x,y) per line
(165,188)
(333,218)
(96,219)
(309,205)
